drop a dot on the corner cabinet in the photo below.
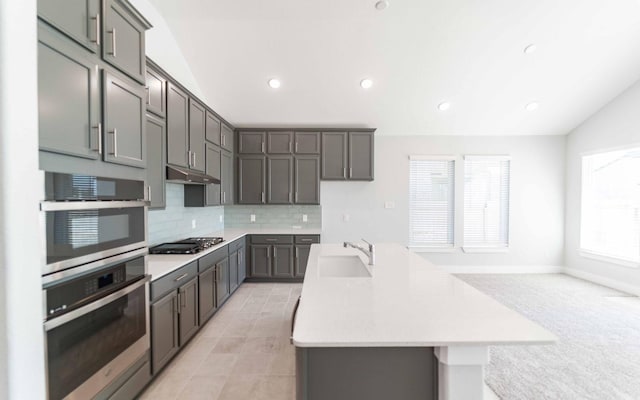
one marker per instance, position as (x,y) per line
(348,155)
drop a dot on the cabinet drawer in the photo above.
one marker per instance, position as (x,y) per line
(173,280)
(272,239)
(235,245)
(307,239)
(212,259)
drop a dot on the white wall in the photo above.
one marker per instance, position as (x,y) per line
(21,187)
(537,197)
(615,125)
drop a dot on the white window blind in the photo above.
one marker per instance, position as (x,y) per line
(431,186)
(486,201)
(610,214)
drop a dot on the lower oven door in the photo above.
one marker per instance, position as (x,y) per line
(89,347)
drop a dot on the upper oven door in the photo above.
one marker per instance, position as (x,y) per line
(81,232)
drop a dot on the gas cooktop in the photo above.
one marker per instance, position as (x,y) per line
(186,246)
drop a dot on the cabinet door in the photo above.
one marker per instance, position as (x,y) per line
(251,142)
(188,310)
(307,180)
(213,129)
(283,261)
(251,179)
(361,156)
(222,281)
(156,131)
(233,271)
(206,294)
(68,97)
(177,126)
(242,264)
(279,180)
(213,168)
(156,93)
(124,45)
(196,136)
(279,142)
(260,260)
(301,258)
(334,155)
(78,19)
(226,137)
(227,178)
(164,330)
(124,122)
(307,143)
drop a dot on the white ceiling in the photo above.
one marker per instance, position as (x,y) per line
(418,53)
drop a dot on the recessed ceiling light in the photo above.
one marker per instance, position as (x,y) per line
(366,83)
(530,48)
(532,106)
(382,4)
(444,106)
(274,83)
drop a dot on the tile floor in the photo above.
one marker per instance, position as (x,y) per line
(242,352)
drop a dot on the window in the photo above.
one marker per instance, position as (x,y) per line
(610,220)
(431,181)
(486,202)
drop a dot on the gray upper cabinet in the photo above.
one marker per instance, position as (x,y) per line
(306,180)
(334,155)
(177,126)
(214,161)
(307,143)
(124,122)
(361,156)
(196,155)
(123,39)
(279,142)
(251,179)
(156,136)
(156,92)
(226,173)
(68,97)
(250,142)
(78,19)
(226,137)
(279,180)
(213,129)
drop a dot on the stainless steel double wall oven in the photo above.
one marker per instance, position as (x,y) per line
(95,285)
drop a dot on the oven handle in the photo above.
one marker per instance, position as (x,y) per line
(89,205)
(63,319)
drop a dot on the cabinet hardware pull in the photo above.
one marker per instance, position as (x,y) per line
(181,277)
(148,89)
(271,240)
(344,172)
(97,19)
(194,159)
(262,196)
(115,142)
(262,146)
(224,141)
(289,147)
(113,41)
(224,197)
(275,254)
(149,193)
(306,240)
(293,319)
(296,252)
(296,147)
(289,197)
(98,129)
(296,197)
(350,172)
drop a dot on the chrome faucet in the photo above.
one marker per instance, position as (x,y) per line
(371,253)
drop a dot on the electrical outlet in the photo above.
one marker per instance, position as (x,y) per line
(304,218)
(346,217)
(193,224)
(222,218)
(389,204)
(253,218)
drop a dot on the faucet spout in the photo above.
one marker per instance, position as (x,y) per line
(369,252)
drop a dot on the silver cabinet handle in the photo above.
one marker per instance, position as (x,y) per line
(148,89)
(271,240)
(293,319)
(306,240)
(262,196)
(275,253)
(181,277)
(296,147)
(262,146)
(223,139)
(113,41)
(149,193)
(224,197)
(98,129)
(344,172)
(289,197)
(289,147)
(193,154)
(297,252)
(97,19)
(179,302)
(115,142)
(296,197)
(350,172)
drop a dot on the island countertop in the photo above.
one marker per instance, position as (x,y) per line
(407,302)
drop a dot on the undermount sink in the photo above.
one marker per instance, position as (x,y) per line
(337,266)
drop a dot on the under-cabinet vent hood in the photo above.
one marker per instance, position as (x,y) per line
(187,176)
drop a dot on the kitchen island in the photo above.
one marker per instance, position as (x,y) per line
(401,328)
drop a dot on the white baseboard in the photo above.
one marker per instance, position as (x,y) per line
(502,269)
(604,281)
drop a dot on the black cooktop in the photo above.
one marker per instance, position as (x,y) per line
(186,246)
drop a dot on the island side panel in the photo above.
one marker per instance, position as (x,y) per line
(372,373)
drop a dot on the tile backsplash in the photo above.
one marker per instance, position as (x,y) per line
(273,216)
(175,221)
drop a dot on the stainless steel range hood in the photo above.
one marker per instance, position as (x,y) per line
(189,177)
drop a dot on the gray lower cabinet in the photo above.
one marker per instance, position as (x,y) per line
(301,257)
(226,177)
(69,96)
(306,179)
(233,271)
(260,261)
(242,263)
(282,261)
(177,126)
(156,92)
(226,137)
(156,136)
(207,294)
(279,179)
(78,19)
(123,40)
(188,310)
(222,281)
(165,338)
(251,179)
(197,121)
(124,110)
(279,256)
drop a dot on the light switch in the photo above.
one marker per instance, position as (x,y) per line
(389,204)
(193,224)
(304,217)
(253,218)
(346,217)
(222,218)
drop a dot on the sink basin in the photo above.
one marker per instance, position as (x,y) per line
(350,266)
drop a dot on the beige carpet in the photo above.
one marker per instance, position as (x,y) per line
(598,355)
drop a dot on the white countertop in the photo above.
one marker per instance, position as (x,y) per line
(408,302)
(159,265)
